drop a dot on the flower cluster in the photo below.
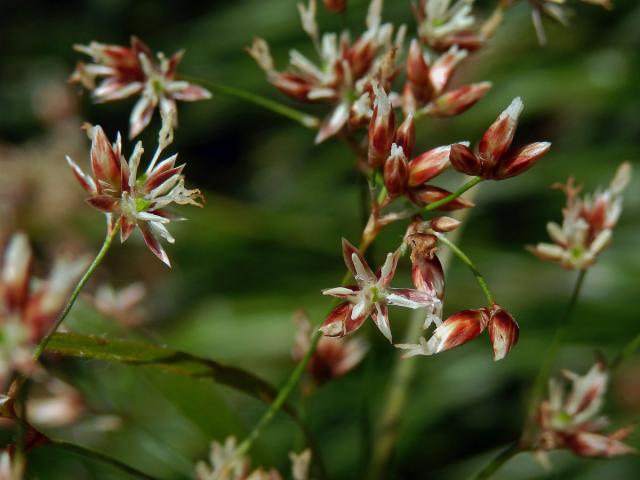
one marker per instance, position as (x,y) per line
(371,296)
(28,307)
(226,465)
(588,223)
(347,70)
(463,326)
(442,24)
(131,200)
(494,157)
(332,358)
(129,71)
(390,149)
(569,420)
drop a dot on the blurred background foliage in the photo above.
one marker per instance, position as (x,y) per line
(269,237)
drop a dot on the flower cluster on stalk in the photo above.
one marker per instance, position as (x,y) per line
(29,306)
(130,199)
(587,225)
(346,72)
(128,71)
(569,419)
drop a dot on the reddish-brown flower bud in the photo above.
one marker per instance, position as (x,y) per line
(498,137)
(418,74)
(428,165)
(503,332)
(428,194)
(464,160)
(444,224)
(458,329)
(522,159)
(396,172)
(426,271)
(459,100)
(335,6)
(406,135)
(381,129)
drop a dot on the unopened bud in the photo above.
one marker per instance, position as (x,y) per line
(498,137)
(444,224)
(396,171)
(503,332)
(429,194)
(406,135)
(459,100)
(418,74)
(428,165)
(335,6)
(381,129)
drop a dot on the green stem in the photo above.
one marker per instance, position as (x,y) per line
(543,374)
(467,261)
(100,457)
(304,119)
(76,291)
(443,201)
(278,402)
(503,457)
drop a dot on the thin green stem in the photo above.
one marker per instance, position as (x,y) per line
(503,457)
(278,402)
(76,291)
(467,261)
(85,452)
(304,119)
(539,384)
(443,201)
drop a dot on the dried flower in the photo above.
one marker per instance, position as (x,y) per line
(346,73)
(123,304)
(28,308)
(570,421)
(588,223)
(130,200)
(425,89)
(370,297)
(442,25)
(128,71)
(333,357)
(494,158)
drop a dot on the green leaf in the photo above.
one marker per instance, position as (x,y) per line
(145,354)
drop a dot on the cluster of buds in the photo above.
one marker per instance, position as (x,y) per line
(568,420)
(390,148)
(130,200)
(28,307)
(462,326)
(332,358)
(442,24)
(226,465)
(494,159)
(588,223)
(371,296)
(346,72)
(425,89)
(128,71)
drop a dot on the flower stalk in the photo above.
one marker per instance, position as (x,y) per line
(111,234)
(467,261)
(306,120)
(543,374)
